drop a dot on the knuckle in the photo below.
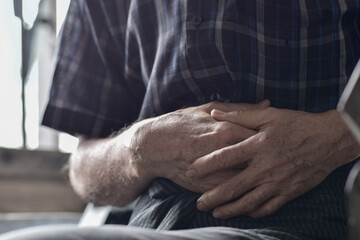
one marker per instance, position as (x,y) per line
(224,127)
(202,166)
(249,205)
(216,158)
(238,114)
(234,115)
(256,199)
(222,159)
(229,192)
(264,138)
(266,141)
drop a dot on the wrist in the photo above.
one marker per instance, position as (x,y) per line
(132,141)
(150,156)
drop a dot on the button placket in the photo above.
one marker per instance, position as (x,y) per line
(196,20)
(215,97)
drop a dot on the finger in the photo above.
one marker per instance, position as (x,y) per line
(250,202)
(248,118)
(246,106)
(229,190)
(229,107)
(269,207)
(230,133)
(224,158)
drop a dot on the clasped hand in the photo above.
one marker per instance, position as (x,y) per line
(165,146)
(291,153)
(245,159)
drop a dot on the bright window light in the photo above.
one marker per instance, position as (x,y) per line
(61,10)
(38,79)
(30,11)
(67,143)
(10,81)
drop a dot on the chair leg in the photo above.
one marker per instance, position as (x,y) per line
(352,190)
(94,216)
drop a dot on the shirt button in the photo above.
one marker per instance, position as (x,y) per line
(196,20)
(215,97)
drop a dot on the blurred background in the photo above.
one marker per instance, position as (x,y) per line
(34,188)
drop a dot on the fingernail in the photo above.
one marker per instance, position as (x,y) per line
(218,214)
(217,112)
(190,173)
(201,206)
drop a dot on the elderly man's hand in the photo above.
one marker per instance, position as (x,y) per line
(291,153)
(166,145)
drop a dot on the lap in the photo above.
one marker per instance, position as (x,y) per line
(118,232)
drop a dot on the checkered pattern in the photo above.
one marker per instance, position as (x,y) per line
(120,61)
(124,60)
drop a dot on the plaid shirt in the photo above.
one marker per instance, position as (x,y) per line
(120,61)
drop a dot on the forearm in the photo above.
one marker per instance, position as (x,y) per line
(116,170)
(105,171)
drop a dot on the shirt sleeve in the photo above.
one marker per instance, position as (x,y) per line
(90,93)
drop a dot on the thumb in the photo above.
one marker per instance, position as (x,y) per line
(245,106)
(229,107)
(252,119)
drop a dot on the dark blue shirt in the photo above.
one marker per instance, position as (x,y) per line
(120,61)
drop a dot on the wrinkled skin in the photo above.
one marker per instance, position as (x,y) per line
(291,153)
(168,144)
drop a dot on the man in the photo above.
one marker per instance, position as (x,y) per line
(230,114)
